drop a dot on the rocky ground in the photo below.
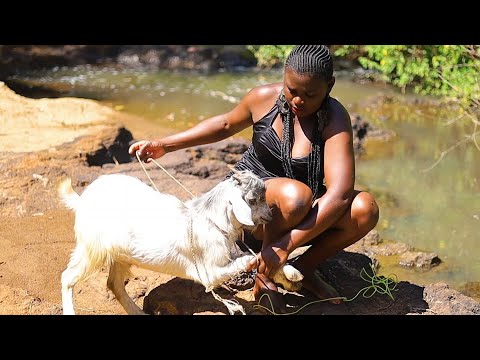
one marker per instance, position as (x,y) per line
(43,140)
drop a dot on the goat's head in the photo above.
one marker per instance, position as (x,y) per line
(247,198)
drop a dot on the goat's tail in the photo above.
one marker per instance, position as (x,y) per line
(69,197)
(89,256)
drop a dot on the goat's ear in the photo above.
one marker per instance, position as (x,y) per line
(242,211)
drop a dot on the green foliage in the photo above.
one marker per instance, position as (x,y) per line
(450,71)
(269,56)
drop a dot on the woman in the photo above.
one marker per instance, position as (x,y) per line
(302,146)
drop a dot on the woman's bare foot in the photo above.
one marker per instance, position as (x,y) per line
(267,295)
(314,283)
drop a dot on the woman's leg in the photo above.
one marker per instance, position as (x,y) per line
(291,201)
(358,220)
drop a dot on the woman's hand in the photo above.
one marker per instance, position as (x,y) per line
(147,150)
(270,259)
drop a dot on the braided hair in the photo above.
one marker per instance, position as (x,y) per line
(316,61)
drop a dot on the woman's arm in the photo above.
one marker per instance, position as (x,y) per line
(339,170)
(208,131)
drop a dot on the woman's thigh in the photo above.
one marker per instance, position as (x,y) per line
(290,201)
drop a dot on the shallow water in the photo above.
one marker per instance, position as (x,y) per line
(435,211)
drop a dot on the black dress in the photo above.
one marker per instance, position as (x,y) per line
(263,156)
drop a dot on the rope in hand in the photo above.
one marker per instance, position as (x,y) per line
(161,167)
(382,285)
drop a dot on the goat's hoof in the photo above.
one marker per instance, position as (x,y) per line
(292,274)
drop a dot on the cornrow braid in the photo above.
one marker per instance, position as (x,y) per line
(287,137)
(313,60)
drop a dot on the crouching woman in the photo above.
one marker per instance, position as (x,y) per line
(302,146)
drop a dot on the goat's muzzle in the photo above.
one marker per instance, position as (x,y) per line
(266,218)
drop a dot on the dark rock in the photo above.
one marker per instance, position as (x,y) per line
(113,148)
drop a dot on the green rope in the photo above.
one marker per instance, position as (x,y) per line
(382,285)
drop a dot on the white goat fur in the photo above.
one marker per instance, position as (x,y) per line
(120,221)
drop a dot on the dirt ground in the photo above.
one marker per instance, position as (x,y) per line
(36,233)
(42,141)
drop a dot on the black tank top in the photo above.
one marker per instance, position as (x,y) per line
(263,156)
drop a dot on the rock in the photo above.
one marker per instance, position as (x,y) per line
(445,301)
(419,259)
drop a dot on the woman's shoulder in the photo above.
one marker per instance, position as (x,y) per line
(262,98)
(338,112)
(265,92)
(338,119)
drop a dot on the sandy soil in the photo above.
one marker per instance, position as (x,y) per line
(37,148)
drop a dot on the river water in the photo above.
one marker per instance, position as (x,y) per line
(432,208)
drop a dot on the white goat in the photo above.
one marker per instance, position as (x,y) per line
(120,221)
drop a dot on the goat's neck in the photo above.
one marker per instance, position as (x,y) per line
(214,205)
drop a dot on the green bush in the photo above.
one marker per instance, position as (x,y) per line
(450,71)
(269,56)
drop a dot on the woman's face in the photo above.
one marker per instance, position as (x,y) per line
(304,93)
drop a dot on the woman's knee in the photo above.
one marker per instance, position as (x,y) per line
(365,210)
(294,199)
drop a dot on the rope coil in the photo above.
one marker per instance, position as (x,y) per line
(380,284)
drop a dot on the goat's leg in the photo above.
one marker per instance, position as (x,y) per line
(232,269)
(69,279)
(75,271)
(116,283)
(287,276)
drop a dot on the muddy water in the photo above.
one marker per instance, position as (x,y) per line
(432,208)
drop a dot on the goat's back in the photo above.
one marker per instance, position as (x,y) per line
(123,215)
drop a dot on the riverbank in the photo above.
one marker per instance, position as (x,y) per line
(46,139)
